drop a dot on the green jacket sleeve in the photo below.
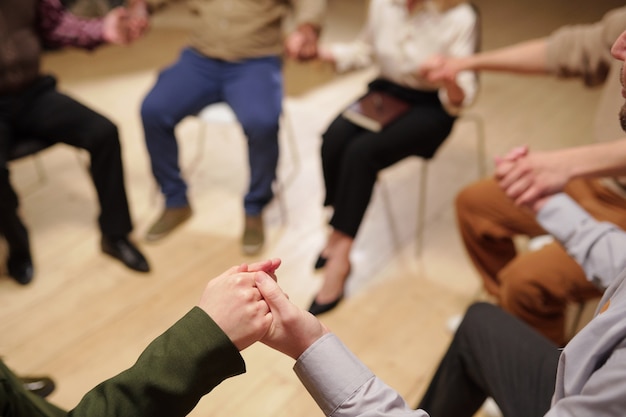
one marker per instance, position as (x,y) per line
(171,375)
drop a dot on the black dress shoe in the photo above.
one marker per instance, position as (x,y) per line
(318,308)
(41,386)
(122,249)
(320,262)
(21,270)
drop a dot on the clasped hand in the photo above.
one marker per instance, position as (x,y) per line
(249,306)
(530,178)
(123,25)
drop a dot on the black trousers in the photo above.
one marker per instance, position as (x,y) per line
(352,156)
(493,354)
(43,112)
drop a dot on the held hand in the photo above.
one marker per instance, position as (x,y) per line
(302,43)
(504,164)
(530,178)
(115,26)
(236,305)
(268,266)
(138,22)
(440,69)
(293,330)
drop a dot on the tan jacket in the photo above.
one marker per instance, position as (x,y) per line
(585,51)
(238,29)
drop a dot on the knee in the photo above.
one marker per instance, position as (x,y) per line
(470,197)
(521,290)
(261,129)
(103,135)
(476,316)
(155,112)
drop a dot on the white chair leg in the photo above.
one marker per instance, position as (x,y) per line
(387,207)
(421,209)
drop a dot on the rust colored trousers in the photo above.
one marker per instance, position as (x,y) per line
(535,286)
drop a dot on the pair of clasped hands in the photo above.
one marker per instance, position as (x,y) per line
(124,25)
(528,178)
(249,306)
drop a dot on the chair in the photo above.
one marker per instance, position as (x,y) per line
(30,147)
(221,114)
(479,125)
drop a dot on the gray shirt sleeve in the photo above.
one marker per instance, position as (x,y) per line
(597,246)
(343,386)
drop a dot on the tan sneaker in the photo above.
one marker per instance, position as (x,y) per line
(253,235)
(169,220)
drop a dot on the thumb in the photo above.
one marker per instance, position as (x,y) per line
(271,292)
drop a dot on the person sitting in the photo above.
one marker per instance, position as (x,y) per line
(31,106)
(398,36)
(537,286)
(234,57)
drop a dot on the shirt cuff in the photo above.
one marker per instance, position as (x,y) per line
(331,372)
(560,216)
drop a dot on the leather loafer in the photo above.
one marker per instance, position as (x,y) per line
(21,270)
(123,250)
(41,386)
(318,308)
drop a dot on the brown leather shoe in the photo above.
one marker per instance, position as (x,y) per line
(253,235)
(169,220)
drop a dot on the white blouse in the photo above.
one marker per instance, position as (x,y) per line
(398,42)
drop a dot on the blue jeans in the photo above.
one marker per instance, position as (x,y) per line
(253,88)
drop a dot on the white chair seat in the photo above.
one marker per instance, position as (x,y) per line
(217,113)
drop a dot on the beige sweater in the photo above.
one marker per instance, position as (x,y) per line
(585,51)
(238,29)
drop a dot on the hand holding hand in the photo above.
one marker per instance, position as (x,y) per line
(528,178)
(115,26)
(124,25)
(292,330)
(302,43)
(138,21)
(236,305)
(440,69)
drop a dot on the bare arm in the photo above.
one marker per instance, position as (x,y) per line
(528,176)
(529,57)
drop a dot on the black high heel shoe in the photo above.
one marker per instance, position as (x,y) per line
(320,262)
(318,308)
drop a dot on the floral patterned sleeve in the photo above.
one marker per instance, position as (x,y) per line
(58,27)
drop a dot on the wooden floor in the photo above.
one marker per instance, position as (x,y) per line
(86,317)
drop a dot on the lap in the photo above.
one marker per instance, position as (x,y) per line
(52,116)
(418,133)
(515,364)
(545,273)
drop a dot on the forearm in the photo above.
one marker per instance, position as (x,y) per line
(528,57)
(343,386)
(595,160)
(171,375)
(59,28)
